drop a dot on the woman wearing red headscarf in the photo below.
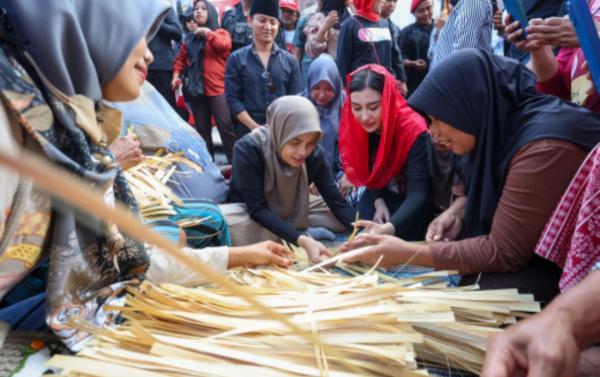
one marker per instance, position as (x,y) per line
(384,146)
(366,38)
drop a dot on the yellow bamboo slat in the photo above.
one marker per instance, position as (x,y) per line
(380,326)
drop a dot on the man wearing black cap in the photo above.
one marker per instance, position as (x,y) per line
(235,21)
(261,72)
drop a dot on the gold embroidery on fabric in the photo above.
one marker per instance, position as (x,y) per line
(111,121)
(40,117)
(19,101)
(35,225)
(85,116)
(28,254)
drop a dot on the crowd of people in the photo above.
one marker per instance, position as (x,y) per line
(470,131)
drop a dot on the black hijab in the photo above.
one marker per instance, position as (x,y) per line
(194,42)
(494,99)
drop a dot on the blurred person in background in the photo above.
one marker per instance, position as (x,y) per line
(415,43)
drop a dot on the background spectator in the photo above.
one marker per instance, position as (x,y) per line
(366,38)
(289,19)
(261,72)
(202,58)
(415,43)
(163,49)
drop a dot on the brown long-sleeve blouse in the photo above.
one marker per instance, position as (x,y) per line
(538,175)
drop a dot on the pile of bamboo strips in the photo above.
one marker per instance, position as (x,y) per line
(370,326)
(148,181)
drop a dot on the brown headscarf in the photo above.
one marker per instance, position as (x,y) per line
(286,187)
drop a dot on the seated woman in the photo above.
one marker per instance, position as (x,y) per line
(384,145)
(89,262)
(273,167)
(522,149)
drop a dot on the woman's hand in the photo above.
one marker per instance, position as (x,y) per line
(127,151)
(543,345)
(382,214)
(345,186)
(514,34)
(446,226)
(498,24)
(553,31)
(313,190)
(331,20)
(316,251)
(421,65)
(393,251)
(375,228)
(202,31)
(176,82)
(267,252)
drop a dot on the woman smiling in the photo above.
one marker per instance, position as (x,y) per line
(273,167)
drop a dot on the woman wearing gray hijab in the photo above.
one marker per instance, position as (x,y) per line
(273,167)
(83,52)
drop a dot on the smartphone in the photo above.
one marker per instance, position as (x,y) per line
(582,20)
(517,13)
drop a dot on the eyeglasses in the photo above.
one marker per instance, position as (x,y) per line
(269,81)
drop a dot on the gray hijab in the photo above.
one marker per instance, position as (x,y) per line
(80,45)
(286,187)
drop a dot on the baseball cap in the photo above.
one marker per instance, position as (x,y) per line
(289,4)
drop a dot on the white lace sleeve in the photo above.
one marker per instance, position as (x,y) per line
(165,269)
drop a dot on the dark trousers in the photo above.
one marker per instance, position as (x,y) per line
(540,278)
(205,107)
(415,231)
(161,80)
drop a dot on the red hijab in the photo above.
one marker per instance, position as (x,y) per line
(414,4)
(364,8)
(400,128)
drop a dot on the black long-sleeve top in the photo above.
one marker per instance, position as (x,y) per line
(365,42)
(247,86)
(414,46)
(413,183)
(247,186)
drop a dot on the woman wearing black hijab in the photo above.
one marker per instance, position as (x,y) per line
(519,149)
(202,59)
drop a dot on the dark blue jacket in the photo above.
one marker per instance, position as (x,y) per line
(249,87)
(162,44)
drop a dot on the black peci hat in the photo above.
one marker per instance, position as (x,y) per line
(266,7)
